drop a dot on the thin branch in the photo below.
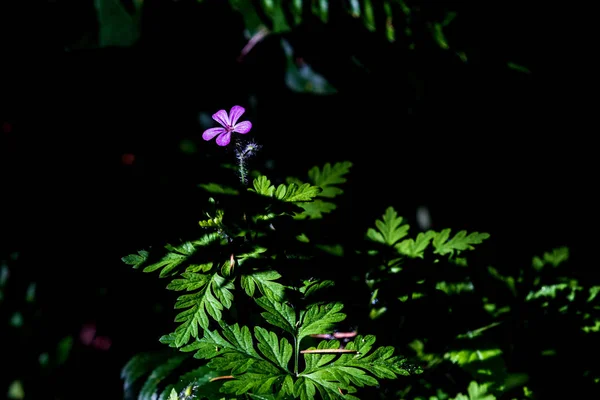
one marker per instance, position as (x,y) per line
(328,351)
(220,378)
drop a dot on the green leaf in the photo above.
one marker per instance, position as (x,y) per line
(117,27)
(315,209)
(479,359)
(330,176)
(15,390)
(554,258)
(255,253)
(136,260)
(311,286)
(319,318)
(195,384)
(158,374)
(451,288)
(215,222)
(63,349)
(142,364)
(594,290)
(458,243)
(476,392)
(294,192)
(234,352)
(289,193)
(279,352)
(415,248)
(326,178)
(248,12)
(551,291)
(265,282)
(213,296)
(175,257)
(173,395)
(389,230)
(278,314)
(191,281)
(262,185)
(464,357)
(329,373)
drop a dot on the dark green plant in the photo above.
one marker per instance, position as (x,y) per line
(258,260)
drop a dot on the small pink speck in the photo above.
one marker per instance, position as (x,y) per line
(87,334)
(102,343)
(128,158)
(6,127)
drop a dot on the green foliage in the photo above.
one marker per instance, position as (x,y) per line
(554,258)
(328,180)
(267,371)
(214,295)
(291,193)
(238,254)
(392,19)
(157,375)
(391,228)
(117,26)
(475,392)
(31,346)
(335,377)
(256,309)
(460,242)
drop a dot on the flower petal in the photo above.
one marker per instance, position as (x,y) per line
(224,139)
(235,114)
(221,117)
(212,132)
(243,127)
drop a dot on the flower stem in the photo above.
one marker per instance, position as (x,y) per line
(296,354)
(244,152)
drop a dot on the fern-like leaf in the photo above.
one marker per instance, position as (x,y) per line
(311,286)
(142,364)
(476,392)
(389,230)
(176,256)
(262,185)
(297,193)
(328,177)
(460,242)
(214,294)
(265,282)
(319,318)
(335,377)
(136,260)
(415,248)
(259,372)
(150,387)
(315,209)
(278,314)
(555,258)
(194,384)
(289,193)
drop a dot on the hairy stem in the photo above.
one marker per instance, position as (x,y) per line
(243,152)
(296,354)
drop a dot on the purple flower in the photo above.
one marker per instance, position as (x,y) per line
(229,124)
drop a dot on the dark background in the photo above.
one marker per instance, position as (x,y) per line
(484,147)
